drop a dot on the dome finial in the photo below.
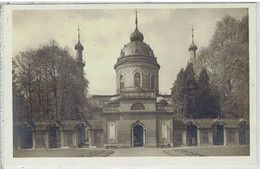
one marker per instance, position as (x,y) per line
(136,35)
(192,46)
(79,46)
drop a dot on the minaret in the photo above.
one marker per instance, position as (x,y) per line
(192,47)
(79,48)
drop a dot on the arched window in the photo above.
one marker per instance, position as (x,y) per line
(121,82)
(137,79)
(137,106)
(112,131)
(152,81)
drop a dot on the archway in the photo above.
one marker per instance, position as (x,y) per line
(138,132)
(54,136)
(218,134)
(26,137)
(81,135)
(138,135)
(191,134)
(243,133)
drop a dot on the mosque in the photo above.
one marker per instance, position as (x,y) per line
(135,116)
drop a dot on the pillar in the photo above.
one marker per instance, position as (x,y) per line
(62,138)
(91,138)
(210,135)
(225,136)
(144,135)
(198,137)
(184,136)
(33,139)
(237,137)
(47,140)
(18,142)
(86,135)
(75,139)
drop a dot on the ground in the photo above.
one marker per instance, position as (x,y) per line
(73,152)
(138,152)
(182,151)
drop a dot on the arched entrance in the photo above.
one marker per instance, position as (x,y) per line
(54,136)
(218,134)
(81,135)
(243,133)
(26,137)
(138,135)
(191,134)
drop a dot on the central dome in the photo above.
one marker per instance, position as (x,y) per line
(137,48)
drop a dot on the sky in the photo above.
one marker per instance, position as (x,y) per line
(104,32)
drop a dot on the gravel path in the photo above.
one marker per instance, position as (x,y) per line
(138,152)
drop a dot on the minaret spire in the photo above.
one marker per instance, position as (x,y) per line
(192,47)
(79,48)
(192,29)
(136,20)
(78,34)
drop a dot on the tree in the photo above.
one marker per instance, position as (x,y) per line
(226,60)
(48,85)
(178,95)
(206,100)
(190,88)
(184,93)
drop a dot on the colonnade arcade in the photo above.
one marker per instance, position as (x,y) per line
(54,135)
(197,132)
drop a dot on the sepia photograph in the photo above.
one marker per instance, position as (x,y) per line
(132,81)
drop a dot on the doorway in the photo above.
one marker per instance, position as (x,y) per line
(218,134)
(191,135)
(26,137)
(138,135)
(81,135)
(54,136)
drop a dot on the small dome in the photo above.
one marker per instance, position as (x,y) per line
(136,36)
(114,99)
(137,48)
(78,46)
(160,99)
(193,46)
